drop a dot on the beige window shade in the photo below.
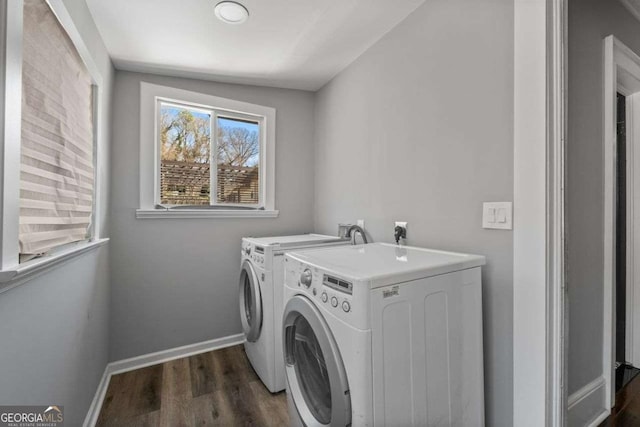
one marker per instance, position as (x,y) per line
(57,173)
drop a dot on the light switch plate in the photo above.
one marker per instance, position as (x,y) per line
(497,215)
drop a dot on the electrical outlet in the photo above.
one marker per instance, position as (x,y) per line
(361,223)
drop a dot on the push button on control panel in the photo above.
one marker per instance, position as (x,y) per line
(346,306)
(334,301)
(324,297)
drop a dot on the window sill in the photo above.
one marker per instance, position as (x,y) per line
(204,213)
(13,277)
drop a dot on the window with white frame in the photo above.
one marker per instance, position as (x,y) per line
(201,151)
(48,139)
(57,173)
(192,140)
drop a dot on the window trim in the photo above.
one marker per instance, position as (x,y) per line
(11,30)
(150,97)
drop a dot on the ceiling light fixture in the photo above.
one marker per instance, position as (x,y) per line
(231,12)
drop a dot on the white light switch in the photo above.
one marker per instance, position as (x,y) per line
(498,215)
(491,215)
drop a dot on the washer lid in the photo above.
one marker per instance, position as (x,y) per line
(383,264)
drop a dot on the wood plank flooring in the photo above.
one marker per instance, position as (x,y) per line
(218,388)
(627,410)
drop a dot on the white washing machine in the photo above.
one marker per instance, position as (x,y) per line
(383,335)
(261,285)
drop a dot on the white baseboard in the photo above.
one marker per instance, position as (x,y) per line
(599,419)
(151,359)
(94,410)
(586,406)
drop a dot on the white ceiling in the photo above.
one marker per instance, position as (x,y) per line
(297,44)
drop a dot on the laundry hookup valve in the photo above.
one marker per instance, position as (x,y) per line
(400,232)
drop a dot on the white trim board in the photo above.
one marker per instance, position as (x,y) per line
(204,213)
(10,127)
(633,230)
(96,404)
(585,405)
(151,359)
(621,74)
(29,270)
(529,201)
(631,91)
(557,312)
(539,312)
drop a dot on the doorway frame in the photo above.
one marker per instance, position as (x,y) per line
(632,330)
(557,302)
(621,74)
(539,291)
(540,312)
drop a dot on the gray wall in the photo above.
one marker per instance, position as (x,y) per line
(174,281)
(420,129)
(590,21)
(54,334)
(54,329)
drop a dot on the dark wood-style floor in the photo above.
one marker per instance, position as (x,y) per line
(218,388)
(627,410)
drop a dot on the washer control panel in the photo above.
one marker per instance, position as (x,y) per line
(344,297)
(331,292)
(337,300)
(337,284)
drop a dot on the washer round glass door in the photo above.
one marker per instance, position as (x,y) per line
(315,372)
(250,302)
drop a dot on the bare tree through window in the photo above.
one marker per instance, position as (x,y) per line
(186,143)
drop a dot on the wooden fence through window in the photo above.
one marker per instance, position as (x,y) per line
(187,183)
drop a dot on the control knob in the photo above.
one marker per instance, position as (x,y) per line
(306,277)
